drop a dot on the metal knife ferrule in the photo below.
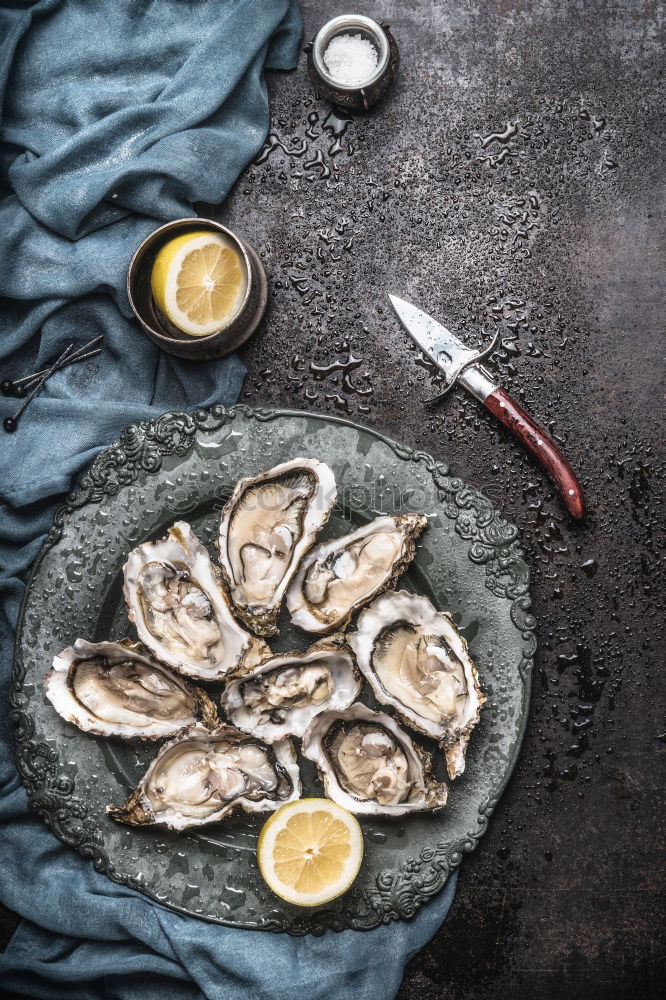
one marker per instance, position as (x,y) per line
(478,381)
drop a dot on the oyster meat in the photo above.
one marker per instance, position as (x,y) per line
(338,576)
(180,608)
(282,694)
(118,689)
(268,524)
(369,765)
(416,660)
(201,777)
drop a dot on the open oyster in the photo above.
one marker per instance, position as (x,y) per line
(180,608)
(118,689)
(338,576)
(201,777)
(369,765)
(417,661)
(268,524)
(282,694)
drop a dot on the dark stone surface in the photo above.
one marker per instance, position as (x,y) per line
(552,232)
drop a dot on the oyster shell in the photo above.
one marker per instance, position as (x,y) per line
(369,765)
(268,524)
(118,689)
(336,577)
(181,611)
(203,776)
(282,694)
(416,660)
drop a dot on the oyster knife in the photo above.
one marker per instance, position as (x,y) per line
(459,363)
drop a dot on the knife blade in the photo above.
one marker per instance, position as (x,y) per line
(456,361)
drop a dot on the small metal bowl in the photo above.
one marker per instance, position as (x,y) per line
(354,97)
(167,336)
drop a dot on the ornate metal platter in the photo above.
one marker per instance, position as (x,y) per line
(184,466)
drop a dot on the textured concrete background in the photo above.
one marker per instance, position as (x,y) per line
(513,177)
(553,233)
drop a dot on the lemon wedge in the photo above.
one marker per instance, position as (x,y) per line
(198,282)
(310,851)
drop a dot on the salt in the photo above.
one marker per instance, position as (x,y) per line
(350,59)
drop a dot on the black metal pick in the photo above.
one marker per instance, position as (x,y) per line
(11,423)
(22,386)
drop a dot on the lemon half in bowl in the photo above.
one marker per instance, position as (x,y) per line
(310,851)
(199,281)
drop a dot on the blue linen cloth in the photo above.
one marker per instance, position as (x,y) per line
(119,114)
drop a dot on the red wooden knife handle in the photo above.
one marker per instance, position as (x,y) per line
(540,447)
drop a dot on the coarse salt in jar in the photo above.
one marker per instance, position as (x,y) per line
(352,61)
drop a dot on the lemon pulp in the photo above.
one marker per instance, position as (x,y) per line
(199,281)
(310,851)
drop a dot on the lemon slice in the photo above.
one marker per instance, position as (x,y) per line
(310,851)
(198,282)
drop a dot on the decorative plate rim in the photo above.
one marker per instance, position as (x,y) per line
(494,543)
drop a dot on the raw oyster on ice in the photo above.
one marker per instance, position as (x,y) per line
(281,695)
(416,660)
(201,777)
(181,611)
(268,524)
(119,689)
(339,576)
(369,765)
